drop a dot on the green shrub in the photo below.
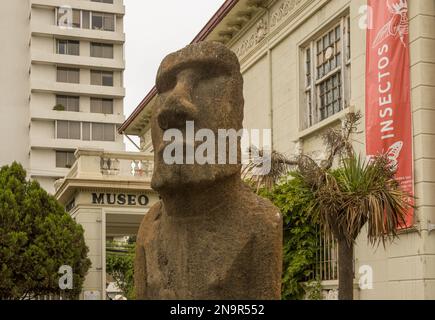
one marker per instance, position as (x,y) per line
(37,237)
(59,107)
(120,265)
(300,234)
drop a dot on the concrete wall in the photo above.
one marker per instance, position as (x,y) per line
(14,82)
(91,219)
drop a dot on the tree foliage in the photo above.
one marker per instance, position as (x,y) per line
(37,236)
(351,195)
(300,234)
(120,265)
(341,199)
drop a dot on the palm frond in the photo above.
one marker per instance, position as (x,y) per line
(361,192)
(265,170)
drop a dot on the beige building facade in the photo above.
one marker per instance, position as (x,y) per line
(278,43)
(61,83)
(107,193)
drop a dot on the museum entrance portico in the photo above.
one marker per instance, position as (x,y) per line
(108,193)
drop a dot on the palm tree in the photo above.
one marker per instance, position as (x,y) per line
(351,196)
(347,197)
(254,172)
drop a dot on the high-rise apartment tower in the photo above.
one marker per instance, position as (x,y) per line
(61,82)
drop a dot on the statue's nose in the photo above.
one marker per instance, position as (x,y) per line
(178,106)
(177,110)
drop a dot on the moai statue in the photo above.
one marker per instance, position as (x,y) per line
(210,236)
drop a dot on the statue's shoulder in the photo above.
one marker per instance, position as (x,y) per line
(149,221)
(155,211)
(261,209)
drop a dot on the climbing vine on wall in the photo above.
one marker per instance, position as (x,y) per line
(300,234)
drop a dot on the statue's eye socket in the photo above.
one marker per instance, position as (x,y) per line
(165,84)
(203,72)
(212,71)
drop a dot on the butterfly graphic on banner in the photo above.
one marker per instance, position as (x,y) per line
(398,26)
(393,153)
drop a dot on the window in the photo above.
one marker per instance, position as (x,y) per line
(65,159)
(86,19)
(64,16)
(103,21)
(102,106)
(70,103)
(69,75)
(102,78)
(68,47)
(103,132)
(327,69)
(101,50)
(76,18)
(86,131)
(68,130)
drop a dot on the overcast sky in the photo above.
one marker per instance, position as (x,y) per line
(153,29)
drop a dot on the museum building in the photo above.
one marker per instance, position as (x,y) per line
(304,68)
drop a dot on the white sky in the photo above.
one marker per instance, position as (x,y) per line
(153,29)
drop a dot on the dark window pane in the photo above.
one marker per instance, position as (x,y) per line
(96,78)
(74,76)
(97,21)
(109,22)
(76,18)
(70,159)
(68,75)
(62,129)
(96,105)
(64,159)
(96,50)
(74,48)
(109,132)
(107,106)
(73,104)
(107,79)
(62,75)
(97,132)
(61,46)
(86,19)
(107,51)
(62,100)
(61,159)
(74,128)
(86,131)
(101,50)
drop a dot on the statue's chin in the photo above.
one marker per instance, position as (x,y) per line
(178,185)
(170,179)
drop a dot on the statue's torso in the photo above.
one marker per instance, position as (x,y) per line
(198,258)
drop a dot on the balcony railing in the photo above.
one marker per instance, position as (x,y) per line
(100,164)
(114,166)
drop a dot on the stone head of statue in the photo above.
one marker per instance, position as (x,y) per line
(200,91)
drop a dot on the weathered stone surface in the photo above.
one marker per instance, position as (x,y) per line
(210,237)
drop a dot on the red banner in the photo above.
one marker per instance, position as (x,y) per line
(388,108)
